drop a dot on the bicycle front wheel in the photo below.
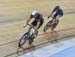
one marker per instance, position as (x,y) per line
(48,25)
(23,39)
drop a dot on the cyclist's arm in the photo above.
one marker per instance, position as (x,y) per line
(26,23)
(53,21)
(38,23)
(52,12)
(29,19)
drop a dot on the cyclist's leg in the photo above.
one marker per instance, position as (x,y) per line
(31,38)
(54,18)
(48,25)
(56,21)
(30,43)
(54,25)
(41,23)
(34,23)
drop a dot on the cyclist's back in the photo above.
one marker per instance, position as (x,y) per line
(37,18)
(58,12)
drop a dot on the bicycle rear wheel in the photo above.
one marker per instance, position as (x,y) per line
(23,39)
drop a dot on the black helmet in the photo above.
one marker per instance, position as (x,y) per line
(57,7)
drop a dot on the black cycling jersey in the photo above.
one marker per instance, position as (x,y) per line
(58,11)
(37,17)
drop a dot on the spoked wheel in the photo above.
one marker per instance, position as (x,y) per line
(23,39)
(48,25)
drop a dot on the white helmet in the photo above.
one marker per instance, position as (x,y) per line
(34,12)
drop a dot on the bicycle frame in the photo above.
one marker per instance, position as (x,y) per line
(31,31)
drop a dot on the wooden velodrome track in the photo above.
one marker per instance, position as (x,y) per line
(13,14)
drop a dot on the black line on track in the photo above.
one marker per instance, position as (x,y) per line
(39,35)
(7,21)
(8,43)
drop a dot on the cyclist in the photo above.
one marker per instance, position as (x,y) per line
(38,21)
(56,14)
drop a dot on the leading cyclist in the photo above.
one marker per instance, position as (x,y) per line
(56,14)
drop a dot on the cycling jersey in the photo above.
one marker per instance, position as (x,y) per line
(38,18)
(57,12)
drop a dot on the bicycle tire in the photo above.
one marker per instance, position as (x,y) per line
(48,25)
(23,39)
